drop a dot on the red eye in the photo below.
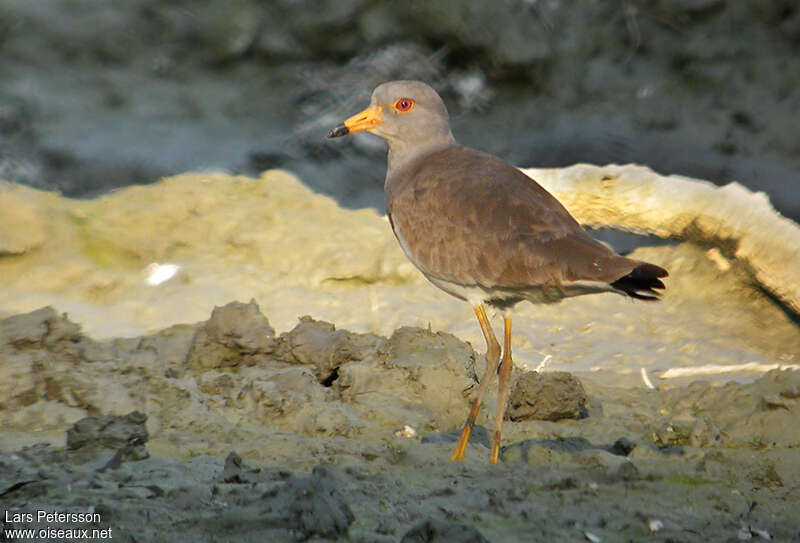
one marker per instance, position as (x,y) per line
(404,105)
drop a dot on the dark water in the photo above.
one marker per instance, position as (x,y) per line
(95,96)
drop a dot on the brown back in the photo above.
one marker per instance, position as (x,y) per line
(468,218)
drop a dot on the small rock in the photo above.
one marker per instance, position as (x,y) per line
(547,396)
(232,469)
(235,471)
(108,431)
(622,447)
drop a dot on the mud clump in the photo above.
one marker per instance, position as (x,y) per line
(319,344)
(42,328)
(109,431)
(38,351)
(547,396)
(236,334)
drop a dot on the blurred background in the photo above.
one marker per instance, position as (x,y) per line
(96,95)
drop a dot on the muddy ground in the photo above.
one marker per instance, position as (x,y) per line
(251,422)
(227,431)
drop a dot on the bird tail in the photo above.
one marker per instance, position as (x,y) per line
(641,282)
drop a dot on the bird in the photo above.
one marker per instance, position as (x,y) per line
(482,230)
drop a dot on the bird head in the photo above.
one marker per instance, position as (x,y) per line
(402,113)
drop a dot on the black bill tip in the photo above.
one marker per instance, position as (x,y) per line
(340,130)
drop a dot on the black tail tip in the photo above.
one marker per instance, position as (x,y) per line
(642,282)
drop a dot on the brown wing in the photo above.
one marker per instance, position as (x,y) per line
(466,217)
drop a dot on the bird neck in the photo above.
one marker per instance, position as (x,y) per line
(401,152)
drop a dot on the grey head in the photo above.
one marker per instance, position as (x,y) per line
(409,115)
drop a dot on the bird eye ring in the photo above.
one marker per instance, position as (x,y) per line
(404,105)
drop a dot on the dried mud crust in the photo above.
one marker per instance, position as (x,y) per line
(223,429)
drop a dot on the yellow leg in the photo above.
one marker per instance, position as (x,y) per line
(504,376)
(492,359)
